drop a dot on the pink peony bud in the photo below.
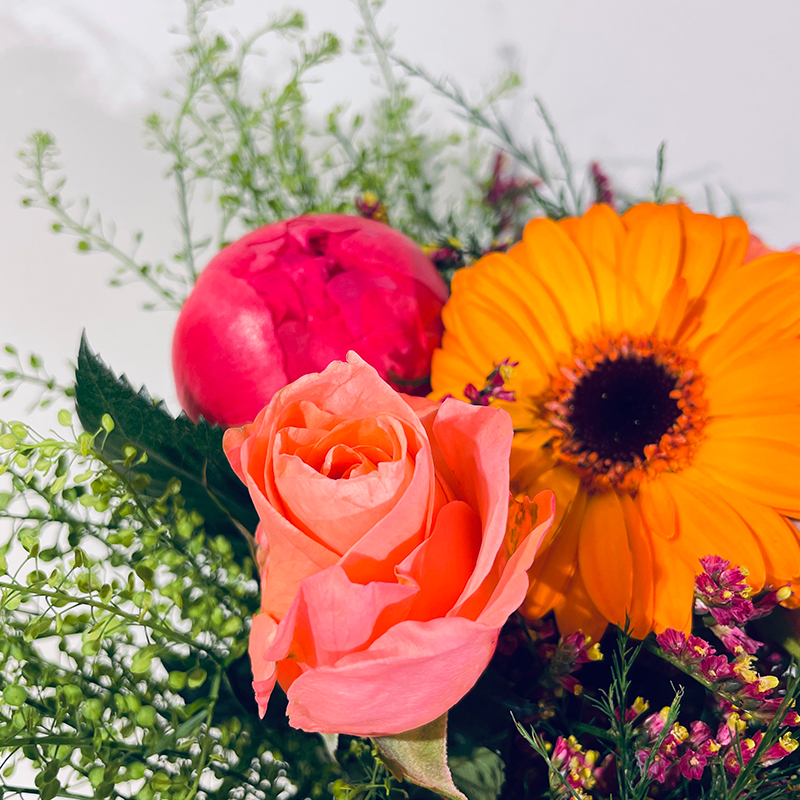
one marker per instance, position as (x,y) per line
(288,299)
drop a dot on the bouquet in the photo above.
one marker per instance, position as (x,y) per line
(486,496)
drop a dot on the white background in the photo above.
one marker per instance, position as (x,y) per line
(719,80)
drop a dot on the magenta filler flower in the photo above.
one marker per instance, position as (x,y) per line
(291,297)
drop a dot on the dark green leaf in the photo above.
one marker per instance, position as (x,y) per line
(481,776)
(175,447)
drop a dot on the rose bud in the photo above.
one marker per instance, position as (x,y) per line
(291,297)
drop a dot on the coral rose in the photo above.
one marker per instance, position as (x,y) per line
(291,297)
(387,564)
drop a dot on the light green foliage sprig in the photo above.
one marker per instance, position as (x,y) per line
(45,182)
(31,372)
(123,623)
(257,150)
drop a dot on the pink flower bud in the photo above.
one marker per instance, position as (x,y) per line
(288,299)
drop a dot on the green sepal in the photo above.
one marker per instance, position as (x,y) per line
(175,447)
(420,756)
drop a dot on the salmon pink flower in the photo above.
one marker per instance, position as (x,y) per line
(288,299)
(389,559)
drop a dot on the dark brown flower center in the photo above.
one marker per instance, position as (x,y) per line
(624,409)
(621,406)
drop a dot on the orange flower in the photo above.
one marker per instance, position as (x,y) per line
(657,393)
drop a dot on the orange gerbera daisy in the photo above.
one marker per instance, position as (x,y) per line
(658,395)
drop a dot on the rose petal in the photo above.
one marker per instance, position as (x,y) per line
(332,617)
(410,676)
(452,548)
(476,445)
(512,585)
(262,634)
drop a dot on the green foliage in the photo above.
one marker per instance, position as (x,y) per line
(45,183)
(156,450)
(123,664)
(251,148)
(480,776)
(631,749)
(31,372)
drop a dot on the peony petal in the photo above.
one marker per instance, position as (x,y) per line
(407,678)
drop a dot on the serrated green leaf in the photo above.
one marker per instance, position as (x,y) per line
(175,447)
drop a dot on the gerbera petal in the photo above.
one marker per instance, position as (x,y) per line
(779,427)
(640,214)
(556,260)
(649,263)
(668,287)
(561,480)
(555,564)
(757,383)
(767,317)
(763,470)
(734,246)
(703,243)
(734,249)
(577,612)
(450,372)
(673,310)
(736,289)
(673,586)
(530,458)
(776,536)
(709,526)
(514,297)
(657,507)
(604,556)
(599,236)
(641,606)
